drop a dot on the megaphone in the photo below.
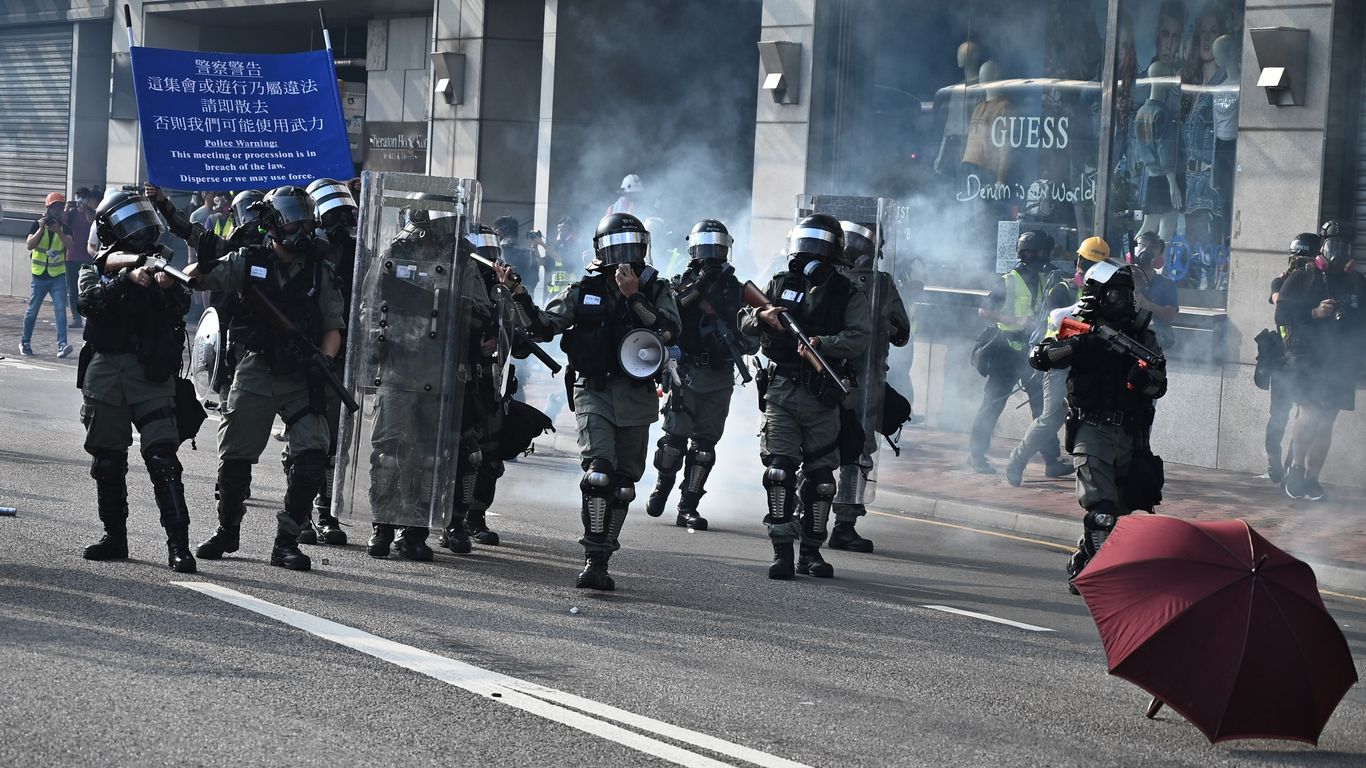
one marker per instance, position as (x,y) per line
(641,354)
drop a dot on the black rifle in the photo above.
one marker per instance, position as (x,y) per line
(254,299)
(723,331)
(520,333)
(754,296)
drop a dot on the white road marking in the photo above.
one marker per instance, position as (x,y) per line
(985,617)
(520,694)
(20,366)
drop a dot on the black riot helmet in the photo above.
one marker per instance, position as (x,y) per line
(1337,244)
(862,245)
(288,213)
(244,213)
(432,214)
(485,242)
(335,206)
(1034,247)
(710,241)
(621,239)
(817,237)
(1306,245)
(128,220)
(1108,292)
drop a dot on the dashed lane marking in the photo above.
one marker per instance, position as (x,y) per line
(22,366)
(985,617)
(565,708)
(997,534)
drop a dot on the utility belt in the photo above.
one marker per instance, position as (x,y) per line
(704,360)
(1099,418)
(813,381)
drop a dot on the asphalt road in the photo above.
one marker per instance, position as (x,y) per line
(122,664)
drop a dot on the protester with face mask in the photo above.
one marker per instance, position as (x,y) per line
(1153,291)
(1322,310)
(1015,306)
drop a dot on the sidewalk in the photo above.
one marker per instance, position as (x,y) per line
(929,480)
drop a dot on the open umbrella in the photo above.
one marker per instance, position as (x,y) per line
(1220,625)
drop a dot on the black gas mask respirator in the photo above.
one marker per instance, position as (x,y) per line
(816,271)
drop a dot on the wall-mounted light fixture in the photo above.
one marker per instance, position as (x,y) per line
(782,63)
(1283,55)
(448,70)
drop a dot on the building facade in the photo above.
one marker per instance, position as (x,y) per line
(980,117)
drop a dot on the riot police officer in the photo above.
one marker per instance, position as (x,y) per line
(709,299)
(863,251)
(801,422)
(1110,409)
(401,469)
(275,375)
(136,335)
(614,410)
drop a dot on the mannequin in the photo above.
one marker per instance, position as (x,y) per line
(1204,204)
(1158,139)
(962,99)
(989,161)
(1230,60)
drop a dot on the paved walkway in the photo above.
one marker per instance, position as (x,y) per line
(929,480)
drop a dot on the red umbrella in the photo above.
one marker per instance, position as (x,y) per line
(1220,625)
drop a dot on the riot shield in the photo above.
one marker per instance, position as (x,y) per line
(207,359)
(407,351)
(505,311)
(872,218)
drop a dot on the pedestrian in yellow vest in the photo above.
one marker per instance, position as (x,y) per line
(48,242)
(1015,307)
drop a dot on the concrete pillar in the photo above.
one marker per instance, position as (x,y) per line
(782,133)
(88,135)
(545,126)
(1278,192)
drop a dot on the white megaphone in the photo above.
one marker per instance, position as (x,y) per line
(641,354)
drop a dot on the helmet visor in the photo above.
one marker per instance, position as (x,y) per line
(293,209)
(136,222)
(622,247)
(330,197)
(1337,251)
(817,243)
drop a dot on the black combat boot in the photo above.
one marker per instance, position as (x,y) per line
(456,537)
(478,528)
(169,491)
(380,540)
(234,483)
(782,567)
(308,535)
(688,518)
(110,470)
(668,457)
(812,564)
(843,536)
(286,553)
(594,574)
(329,530)
(412,544)
(659,497)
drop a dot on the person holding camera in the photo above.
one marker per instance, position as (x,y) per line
(49,241)
(79,219)
(1321,309)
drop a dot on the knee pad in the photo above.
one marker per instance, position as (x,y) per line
(780,480)
(782,470)
(598,476)
(493,468)
(669,454)
(1099,520)
(625,492)
(702,454)
(163,465)
(818,485)
(109,465)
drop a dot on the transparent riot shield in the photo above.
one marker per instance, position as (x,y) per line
(871,219)
(406,351)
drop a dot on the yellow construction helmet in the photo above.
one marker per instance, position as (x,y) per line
(1094,249)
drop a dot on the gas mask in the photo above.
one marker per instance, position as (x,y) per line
(1150,254)
(1337,253)
(340,225)
(294,237)
(814,270)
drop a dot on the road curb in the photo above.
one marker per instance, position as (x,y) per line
(1332,577)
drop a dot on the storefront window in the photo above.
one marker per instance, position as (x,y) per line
(1175,136)
(982,118)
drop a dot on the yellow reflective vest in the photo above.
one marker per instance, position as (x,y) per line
(1019,302)
(49,258)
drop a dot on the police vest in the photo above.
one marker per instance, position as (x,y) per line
(297,299)
(1102,386)
(824,317)
(724,296)
(49,256)
(602,318)
(142,321)
(1020,302)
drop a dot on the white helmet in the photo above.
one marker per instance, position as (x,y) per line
(631,183)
